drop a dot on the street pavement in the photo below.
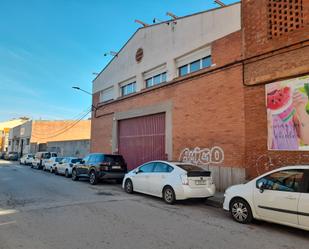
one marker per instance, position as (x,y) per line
(39,210)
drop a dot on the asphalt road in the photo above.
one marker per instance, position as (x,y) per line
(39,210)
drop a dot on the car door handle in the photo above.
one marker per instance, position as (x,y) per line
(290,198)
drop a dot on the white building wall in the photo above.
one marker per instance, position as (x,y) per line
(163,44)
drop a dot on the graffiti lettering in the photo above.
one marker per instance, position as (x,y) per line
(204,156)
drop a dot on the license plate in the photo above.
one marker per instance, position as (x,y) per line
(116,167)
(200,182)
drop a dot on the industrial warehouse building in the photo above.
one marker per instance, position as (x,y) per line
(202,88)
(66,137)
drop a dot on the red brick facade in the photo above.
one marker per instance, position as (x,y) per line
(225,105)
(207,107)
(268,60)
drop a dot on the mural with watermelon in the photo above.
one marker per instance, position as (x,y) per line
(287,105)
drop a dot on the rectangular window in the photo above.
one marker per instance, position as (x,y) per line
(206,62)
(28,141)
(149,82)
(156,80)
(183,70)
(107,94)
(195,66)
(128,89)
(164,77)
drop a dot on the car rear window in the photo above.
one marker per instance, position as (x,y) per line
(113,159)
(194,170)
(76,160)
(190,167)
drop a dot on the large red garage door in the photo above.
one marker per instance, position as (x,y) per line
(142,139)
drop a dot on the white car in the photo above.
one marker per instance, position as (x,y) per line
(171,181)
(64,167)
(26,159)
(50,163)
(279,196)
(41,157)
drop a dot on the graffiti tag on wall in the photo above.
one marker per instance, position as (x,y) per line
(205,156)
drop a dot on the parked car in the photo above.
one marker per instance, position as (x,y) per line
(170,180)
(2,155)
(50,163)
(41,157)
(26,159)
(279,196)
(64,167)
(11,156)
(99,166)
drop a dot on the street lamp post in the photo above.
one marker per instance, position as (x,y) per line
(79,89)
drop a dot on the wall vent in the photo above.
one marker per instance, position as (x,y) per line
(284,16)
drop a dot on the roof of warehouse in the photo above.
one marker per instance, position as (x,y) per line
(164,22)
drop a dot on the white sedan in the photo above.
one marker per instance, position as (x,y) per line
(279,196)
(171,181)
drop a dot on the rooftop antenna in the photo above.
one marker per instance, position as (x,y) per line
(220,3)
(112,53)
(171,15)
(142,23)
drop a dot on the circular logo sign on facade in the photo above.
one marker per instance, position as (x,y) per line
(139,55)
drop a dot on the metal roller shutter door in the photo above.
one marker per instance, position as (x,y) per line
(142,139)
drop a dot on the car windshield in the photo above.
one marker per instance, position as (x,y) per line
(190,167)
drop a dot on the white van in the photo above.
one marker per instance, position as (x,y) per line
(41,157)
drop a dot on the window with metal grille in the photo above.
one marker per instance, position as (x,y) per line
(284,16)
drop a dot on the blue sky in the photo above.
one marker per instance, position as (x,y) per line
(47,46)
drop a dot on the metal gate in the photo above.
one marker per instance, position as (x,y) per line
(142,139)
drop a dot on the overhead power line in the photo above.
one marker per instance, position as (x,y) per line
(68,122)
(63,131)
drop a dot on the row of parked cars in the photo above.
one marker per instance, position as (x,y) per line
(11,156)
(279,196)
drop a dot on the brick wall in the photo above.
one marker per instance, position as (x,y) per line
(47,131)
(255,23)
(207,108)
(268,59)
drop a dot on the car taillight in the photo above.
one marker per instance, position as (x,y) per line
(103,167)
(184,180)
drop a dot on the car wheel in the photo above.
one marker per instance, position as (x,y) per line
(128,186)
(67,175)
(169,195)
(74,175)
(56,171)
(93,179)
(241,211)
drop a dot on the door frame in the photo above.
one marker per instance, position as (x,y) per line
(165,107)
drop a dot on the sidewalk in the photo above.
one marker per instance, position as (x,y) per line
(217,200)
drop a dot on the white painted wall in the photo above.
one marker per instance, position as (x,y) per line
(163,44)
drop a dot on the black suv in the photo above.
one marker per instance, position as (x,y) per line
(99,166)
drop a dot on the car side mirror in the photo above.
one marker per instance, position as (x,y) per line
(261,187)
(137,171)
(82,162)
